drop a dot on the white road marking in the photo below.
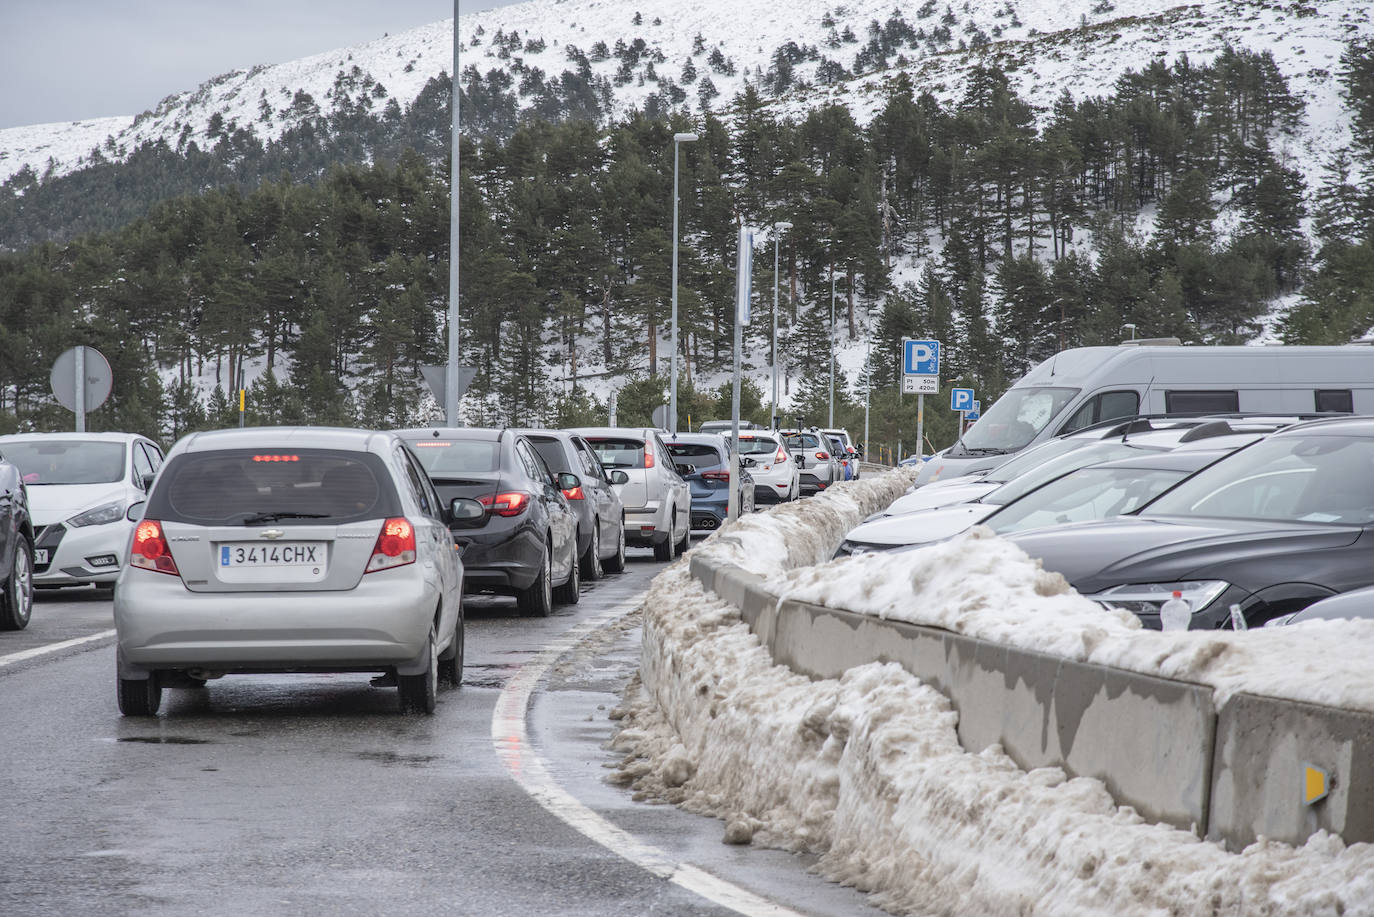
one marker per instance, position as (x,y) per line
(511,739)
(37,651)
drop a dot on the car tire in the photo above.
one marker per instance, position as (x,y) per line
(138,696)
(667,549)
(616,562)
(537,600)
(451,660)
(419,693)
(686,543)
(571,591)
(591,561)
(16,592)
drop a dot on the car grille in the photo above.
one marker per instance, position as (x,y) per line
(49,536)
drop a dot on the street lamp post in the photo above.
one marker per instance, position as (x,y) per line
(678,139)
(831,424)
(1132,327)
(451,375)
(778,228)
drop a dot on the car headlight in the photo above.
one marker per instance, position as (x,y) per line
(108,512)
(1147,598)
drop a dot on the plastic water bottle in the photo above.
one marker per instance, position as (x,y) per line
(1175,614)
(1238,619)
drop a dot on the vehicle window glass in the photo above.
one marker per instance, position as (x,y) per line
(446,458)
(533,466)
(1117,404)
(1311,478)
(1014,467)
(552,452)
(590,465)
(1048,471)
(1085,495)
(66,461)
(757,445)
(1338,401)
(414,479)
(694,450)
(618,453)
(662,450)
(142,465)
(1202,402)
(154,455)
(1017,418)
(1083,417)
(801,441)
(251,487)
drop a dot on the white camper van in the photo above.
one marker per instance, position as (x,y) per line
(1087,385)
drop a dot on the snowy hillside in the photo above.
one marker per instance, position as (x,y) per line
(1046,45)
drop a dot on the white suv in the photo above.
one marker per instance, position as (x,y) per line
(81,486)
(658,502)
(776,479)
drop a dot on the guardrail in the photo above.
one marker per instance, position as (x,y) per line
(1258,766)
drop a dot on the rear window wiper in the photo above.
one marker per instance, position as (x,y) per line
(261,518)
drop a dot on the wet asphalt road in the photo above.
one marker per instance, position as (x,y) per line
(311,795)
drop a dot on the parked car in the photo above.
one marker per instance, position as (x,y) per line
(776,478)
(600,514)
(1357,603)
(291,549)
(1085,385)
(81,487)
(817,467)
(526,544)
(1273,528)
(703,460)
(16,550)
(658,503)
(724,427)
(848,452)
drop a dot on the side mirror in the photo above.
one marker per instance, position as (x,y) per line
(800,460)
(619,477)
(567,480)
(147,481)
(135,511)
(746,462)
(685,469)
(466,513)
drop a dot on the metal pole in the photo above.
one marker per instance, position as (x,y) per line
(920,427)
(80,371)
(672,372)
(778,227)
(831,422)
(451,374)
(868,384)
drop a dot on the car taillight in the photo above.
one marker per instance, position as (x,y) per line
(822,455)
(574,493)
(395,545)
(716,475)
(512,503)
(780,457)
(648,454)
(150,549)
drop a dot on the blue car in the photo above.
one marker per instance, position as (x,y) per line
(703,460)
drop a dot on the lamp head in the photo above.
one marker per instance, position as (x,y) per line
(782,225)
(684,138)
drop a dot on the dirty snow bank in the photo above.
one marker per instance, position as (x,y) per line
(985,587)
(867,772)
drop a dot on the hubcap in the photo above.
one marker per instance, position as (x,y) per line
(548,579)
(22,578)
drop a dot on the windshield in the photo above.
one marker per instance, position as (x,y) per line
(700,455)
(1085,495)
(66,461)
(1313,478)
(1016,419)
(619,453)
(447,458)
(1061,465)
(801,441)
(1013,468)
(757,445)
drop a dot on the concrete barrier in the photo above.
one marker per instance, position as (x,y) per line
(1158,745)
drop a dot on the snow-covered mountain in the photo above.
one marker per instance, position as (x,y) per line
(1046,46)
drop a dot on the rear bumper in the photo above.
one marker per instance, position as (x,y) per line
(646,527)
(811,482)
(505,562)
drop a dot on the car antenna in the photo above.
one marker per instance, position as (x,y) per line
(1144,398)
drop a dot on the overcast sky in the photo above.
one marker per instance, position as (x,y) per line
(65,60)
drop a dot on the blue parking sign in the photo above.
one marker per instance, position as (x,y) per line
(920,358)
(976,412)
(961,399)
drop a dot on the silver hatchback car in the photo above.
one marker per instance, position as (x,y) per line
(291,549)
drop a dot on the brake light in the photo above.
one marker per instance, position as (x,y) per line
(574,493)
(648,454)
(822,455)
(781,456)
(276,458)
(150,549)
(395,545)
(512,503)
(716,475)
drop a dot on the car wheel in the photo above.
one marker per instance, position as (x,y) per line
(571,591)
(616,563)
(451,668)
(667,549)
(686,542)
(16,593)
(591,561)
(138,696)
(537,600)
(418,693)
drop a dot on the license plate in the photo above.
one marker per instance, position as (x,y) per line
(291,554)
(40,556)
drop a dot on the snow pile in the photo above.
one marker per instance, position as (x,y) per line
(866,771)
(985,587)
(804,532)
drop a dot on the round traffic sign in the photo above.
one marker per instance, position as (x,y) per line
(98,378)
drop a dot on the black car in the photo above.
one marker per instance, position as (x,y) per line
(528,541)
(600,515)
(703,460)
(1272,528)
(16,550)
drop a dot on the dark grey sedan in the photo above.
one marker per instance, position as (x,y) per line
(600,515)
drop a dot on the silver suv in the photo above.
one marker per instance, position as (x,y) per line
(658,502)
(816,462)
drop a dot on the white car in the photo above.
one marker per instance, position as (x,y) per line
(776,478)
(81,487)
(658,502)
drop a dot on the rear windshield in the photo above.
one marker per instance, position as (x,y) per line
(694,451)
(66,461)
(801,441)
(454,457)
(551,451)
(259,486)
(618,453)
(757,445)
